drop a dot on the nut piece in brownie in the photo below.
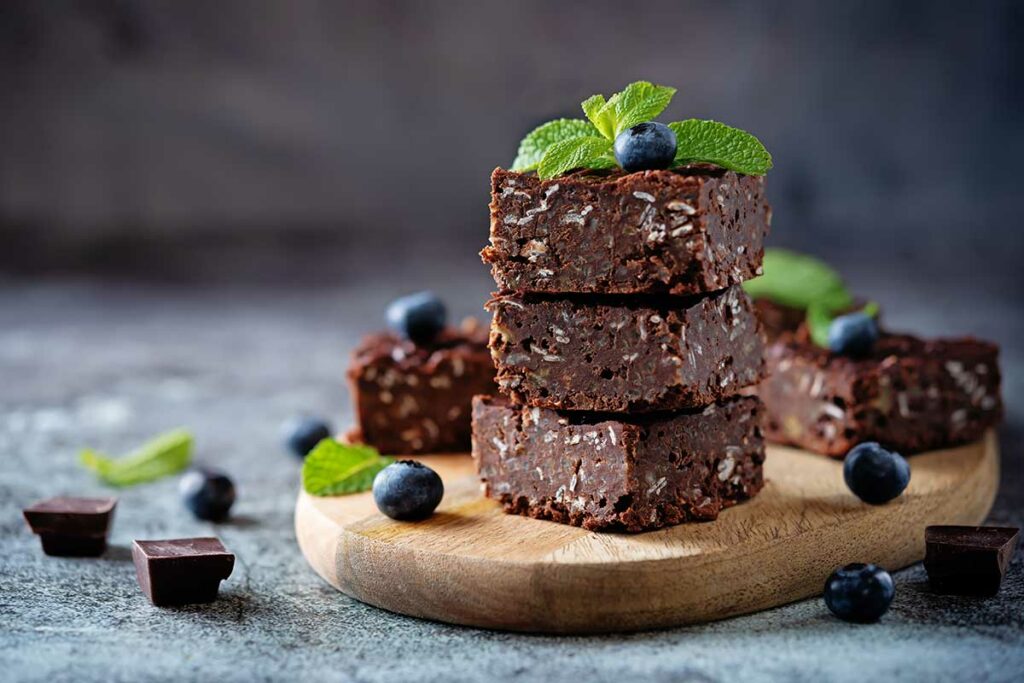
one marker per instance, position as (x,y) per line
(625,354)
(908,394)
(685,231)
(619,472)
(417,398)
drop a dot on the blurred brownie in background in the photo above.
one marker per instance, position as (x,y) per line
(413,398)
(908,394)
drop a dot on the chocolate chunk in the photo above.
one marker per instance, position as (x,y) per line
(181,571)
(968,560)
(70,526)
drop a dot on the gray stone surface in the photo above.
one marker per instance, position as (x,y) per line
(110,365)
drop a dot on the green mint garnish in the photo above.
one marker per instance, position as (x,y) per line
(798,281)
(820,317)
(588,152)
(711,141)
(333,468)
(159,457)
(562,145)
(533,146)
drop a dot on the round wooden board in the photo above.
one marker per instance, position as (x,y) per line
(471,564)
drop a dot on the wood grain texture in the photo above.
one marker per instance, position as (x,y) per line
(471,564)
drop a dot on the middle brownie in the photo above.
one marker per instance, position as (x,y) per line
(625,354)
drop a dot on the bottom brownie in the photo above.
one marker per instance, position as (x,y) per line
(609,472)
(908,394)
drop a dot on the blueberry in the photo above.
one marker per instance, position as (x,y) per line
(407,490)
(874,474)
(853,334)
(418,317)
(859,592)
(208,493)
(302,432)
(645,146)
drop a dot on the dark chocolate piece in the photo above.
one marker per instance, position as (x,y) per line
(619,472)
(968,560)
(684,231)
(625,354)
(416,399)
(71,526)
(181,571)
(910,395)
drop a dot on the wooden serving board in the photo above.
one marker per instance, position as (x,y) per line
(471,564)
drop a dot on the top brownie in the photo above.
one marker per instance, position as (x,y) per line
(684,231)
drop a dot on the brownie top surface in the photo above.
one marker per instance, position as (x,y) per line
(889,345)
(468,339)
(970,536)
(182,547)
(73,505)
(611,176)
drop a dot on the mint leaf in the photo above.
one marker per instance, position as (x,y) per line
(585,152)
(333,468)
(638,102)
(533,146)
(820,317)
(717,143)
(163,455)
(799,281)
(603,120)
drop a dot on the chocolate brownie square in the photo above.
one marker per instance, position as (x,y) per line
(619,472)
(909,394)
(416,399)
(625,354)
(682,231)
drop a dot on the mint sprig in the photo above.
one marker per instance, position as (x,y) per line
(166,454)
(333,468)
(533,146)
(717,143)
(563,145)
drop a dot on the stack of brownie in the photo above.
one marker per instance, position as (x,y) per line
(622,340)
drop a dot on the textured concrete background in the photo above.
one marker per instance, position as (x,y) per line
(108,366)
